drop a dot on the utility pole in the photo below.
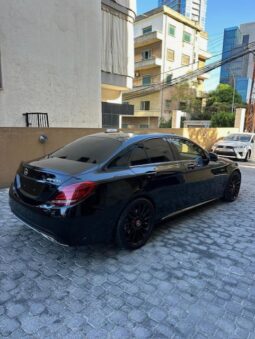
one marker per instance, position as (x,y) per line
(250,113)
(234,93)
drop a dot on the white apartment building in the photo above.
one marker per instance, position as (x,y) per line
(63,57)
(167,45)
(193,9)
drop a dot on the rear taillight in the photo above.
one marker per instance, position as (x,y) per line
(71,194)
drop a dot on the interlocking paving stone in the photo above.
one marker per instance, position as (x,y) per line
(194,279)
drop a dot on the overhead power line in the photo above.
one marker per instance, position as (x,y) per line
(250,48)
(218,53)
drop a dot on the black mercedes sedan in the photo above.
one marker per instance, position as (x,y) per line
(116,186)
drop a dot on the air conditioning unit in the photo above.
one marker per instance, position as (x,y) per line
(137,74)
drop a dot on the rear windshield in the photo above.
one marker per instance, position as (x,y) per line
(90,149)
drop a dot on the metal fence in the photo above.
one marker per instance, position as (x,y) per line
(36,119)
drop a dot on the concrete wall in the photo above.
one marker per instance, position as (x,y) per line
(21,144)
(117,50)
(156,22)
(51,61)
(139,122)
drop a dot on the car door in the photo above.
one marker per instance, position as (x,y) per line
(204,179)
(161,177)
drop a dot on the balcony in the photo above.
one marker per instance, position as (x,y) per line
(204,76)
(148,63)
(146,113)
(203,55)
(147,39)
(200,94)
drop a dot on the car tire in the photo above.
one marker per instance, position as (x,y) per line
(135,224)
(248,155)
(233,187)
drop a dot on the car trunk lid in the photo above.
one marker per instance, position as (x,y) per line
(37,181)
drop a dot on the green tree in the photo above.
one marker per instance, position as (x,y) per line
(165,123)
(184,98)
(223,119)
(220,100)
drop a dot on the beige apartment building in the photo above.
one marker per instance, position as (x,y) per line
(167,45)
(61,58)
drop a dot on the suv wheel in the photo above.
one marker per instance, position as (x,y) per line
(248,155)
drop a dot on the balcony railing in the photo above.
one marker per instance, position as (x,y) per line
(204,76)
(204,54)
(148,63)
(36,119)
(149,38)
(146,113)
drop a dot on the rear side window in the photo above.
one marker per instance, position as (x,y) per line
(133,157)
(89,149)
(122,160)
(158,150)
(138,156)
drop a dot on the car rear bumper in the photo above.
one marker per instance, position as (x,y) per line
(71,229)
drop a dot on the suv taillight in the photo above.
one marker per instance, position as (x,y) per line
(71,194)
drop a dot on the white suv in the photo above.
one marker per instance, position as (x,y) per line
(238,146)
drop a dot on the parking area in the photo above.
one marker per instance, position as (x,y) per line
(194,279)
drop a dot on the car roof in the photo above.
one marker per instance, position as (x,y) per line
(129,138)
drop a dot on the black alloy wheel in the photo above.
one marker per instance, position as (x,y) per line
(233,187)
(135,224)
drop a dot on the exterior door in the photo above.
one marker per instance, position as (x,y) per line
(204,179)
(161,177)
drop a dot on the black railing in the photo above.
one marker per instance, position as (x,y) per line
(36,119)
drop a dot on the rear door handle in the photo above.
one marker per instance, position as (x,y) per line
(191,166)
(151,174)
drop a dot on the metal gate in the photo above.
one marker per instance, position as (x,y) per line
(36,119)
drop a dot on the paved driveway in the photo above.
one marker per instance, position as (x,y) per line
(194,279)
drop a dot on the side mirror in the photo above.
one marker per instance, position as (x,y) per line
(213,156)
(206,158)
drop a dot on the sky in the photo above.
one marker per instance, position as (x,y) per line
(220,14)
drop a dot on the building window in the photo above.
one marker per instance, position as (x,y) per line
(201,63)
(146,80)
(146,54)
(169,78)
(145,105)
(144,126)
(168,103)
(186,37)
(170,54)
(171,30)
(185,59)
(182,105)
(147,29)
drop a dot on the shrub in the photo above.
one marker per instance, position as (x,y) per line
(223,119)
(165,123)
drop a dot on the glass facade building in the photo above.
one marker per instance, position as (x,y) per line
(193,9)
(237,73)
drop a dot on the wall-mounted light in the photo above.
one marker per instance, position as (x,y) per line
(43,138)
